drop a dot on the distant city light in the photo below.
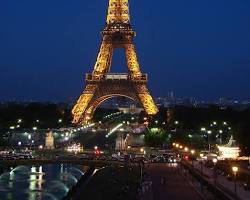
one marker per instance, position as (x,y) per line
(203,129)
(229,152)
(66,138)
(114,130)
(75,148)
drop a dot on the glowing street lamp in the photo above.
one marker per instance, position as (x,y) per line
(235,171)
(215,175)
(186,149)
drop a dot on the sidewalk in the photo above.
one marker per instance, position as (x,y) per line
(222,182)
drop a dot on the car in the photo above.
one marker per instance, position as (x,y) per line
(246,186)
(159,159)
(229,177)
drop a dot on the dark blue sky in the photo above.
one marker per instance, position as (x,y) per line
(197,48)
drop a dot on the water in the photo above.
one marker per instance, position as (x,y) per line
(42,182)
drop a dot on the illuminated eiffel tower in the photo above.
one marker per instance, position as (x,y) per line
(101,84)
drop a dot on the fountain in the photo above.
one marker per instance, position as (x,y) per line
(47,182)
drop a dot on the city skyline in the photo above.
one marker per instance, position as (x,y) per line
(46,50)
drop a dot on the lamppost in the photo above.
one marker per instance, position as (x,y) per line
(208,139)
(215,175)
(201,162)
(235,170)
(192,152)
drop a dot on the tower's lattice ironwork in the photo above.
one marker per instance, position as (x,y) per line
(102,85)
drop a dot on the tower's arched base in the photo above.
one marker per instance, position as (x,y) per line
(98,92)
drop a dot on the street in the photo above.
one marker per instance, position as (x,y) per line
(175,188)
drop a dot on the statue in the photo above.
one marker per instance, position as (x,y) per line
(49,141)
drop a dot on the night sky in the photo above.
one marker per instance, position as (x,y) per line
(196,48)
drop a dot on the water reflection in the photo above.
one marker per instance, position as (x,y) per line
(44,182)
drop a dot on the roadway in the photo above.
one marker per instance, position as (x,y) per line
(175,188)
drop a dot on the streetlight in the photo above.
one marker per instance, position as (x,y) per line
(235,170)
(208,133)
(201,156)
(192,152)
(215,175)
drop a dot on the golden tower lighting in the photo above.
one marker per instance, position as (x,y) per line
(101,84)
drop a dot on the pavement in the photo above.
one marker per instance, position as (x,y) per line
(175,188)
(223,183)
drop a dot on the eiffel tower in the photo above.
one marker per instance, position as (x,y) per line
(101,84)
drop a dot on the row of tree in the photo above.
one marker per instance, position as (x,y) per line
(184,124)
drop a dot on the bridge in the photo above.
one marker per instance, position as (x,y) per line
(75,161)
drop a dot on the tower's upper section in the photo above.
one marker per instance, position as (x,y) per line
(118,12)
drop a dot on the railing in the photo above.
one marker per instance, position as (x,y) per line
(116,76)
